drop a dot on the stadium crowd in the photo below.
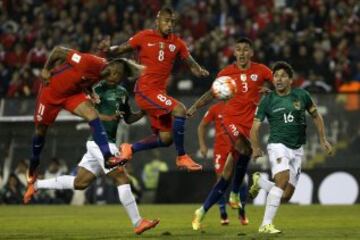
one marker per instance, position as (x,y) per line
(321,39)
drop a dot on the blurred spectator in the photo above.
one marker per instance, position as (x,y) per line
(20,171)
(322,36)
(314,84)
(12,193)
(151,171)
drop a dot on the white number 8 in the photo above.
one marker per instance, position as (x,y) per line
(161,55)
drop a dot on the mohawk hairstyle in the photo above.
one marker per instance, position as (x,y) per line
(285,66)
(163,10)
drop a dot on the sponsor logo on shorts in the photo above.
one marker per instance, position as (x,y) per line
(278,160)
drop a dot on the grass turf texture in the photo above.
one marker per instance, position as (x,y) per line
(111,222)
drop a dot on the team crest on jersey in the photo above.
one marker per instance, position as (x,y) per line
(243,77)
(297,104)
(161,45)
(254,77)
(172,47)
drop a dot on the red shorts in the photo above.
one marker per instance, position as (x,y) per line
(49,104)
(220,155)
(233,129)
(158,107)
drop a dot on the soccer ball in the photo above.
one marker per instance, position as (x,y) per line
(223,88)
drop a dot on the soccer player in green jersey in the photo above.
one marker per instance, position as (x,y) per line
(111,102)
(285,110)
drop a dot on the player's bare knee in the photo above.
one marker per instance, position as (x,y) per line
(166,138)
(179,110)
(121,179)
(41,129)
(285,198)
(79,184)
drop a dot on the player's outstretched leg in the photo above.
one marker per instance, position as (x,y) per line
(128,201)
(178,129)
(224,220)
(243,198)
(150,142)
(60,183)
(240,172)
(214,196)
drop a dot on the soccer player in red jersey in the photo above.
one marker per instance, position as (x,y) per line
(157,50)
(237,119)
(222,148)
(67,74)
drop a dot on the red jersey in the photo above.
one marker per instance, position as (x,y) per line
(215,114)
(81,70)
(242,106)
(158,55)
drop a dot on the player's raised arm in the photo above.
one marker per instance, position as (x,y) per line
(201,137)
(195,68)
(118,50)
(205,99)
(58,54)
(320,127)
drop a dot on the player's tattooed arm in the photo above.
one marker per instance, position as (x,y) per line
(117,50)
(205,99)
(57,56)
(195,68)
(320,127)
(254,139)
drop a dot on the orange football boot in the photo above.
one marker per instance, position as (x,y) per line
(126,151)
(145,225)
(185,162)
(30,192)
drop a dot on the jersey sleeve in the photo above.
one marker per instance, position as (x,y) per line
(184,51)
(73,57)
(309,103)
(267,74)
(136,40)
(260,112)
(90,65)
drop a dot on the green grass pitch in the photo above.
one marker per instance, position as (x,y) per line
(111,222)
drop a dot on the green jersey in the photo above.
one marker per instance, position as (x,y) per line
(286,116)
(113,99)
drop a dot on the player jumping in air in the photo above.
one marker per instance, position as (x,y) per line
(285,110)
(222,148)
(67,74)
(112,105)
(236,124)
(157,50)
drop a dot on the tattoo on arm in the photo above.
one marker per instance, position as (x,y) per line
(58,54)
(192,64)
(205,99)
(115,51)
